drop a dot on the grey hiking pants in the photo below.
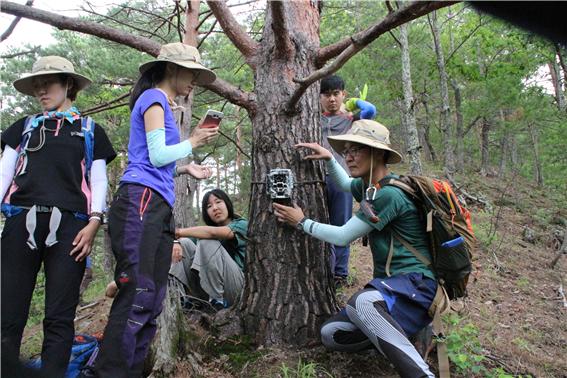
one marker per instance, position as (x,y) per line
(208,271)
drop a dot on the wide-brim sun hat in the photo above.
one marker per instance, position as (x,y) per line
(369,133)
(50,65)
(185,56)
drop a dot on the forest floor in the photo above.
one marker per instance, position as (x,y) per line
(513,323)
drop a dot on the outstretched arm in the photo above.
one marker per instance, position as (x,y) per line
(338,235)
(205,232)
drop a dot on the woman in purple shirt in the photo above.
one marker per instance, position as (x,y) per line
(140,220)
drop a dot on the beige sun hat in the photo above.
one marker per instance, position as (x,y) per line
(185,56)
(370,133)
(50,65)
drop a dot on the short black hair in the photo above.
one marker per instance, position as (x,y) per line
(220,194)
(332,83)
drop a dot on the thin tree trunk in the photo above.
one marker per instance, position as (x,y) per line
(484,147)
(459,127)
(427,127)
(557,84)
(503,145)
(562,63)
(514,154)
(538,171)
(445,124)
(408,113)
(289,265)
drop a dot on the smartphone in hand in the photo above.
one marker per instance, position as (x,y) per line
(212,119)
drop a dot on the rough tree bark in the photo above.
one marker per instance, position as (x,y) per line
(408,112)
(292,268)
(445,124)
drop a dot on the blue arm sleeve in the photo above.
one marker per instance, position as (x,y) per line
(367,110)
(160,154)
(336,235)
(339,176)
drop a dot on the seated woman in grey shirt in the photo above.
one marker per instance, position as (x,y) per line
(211,258)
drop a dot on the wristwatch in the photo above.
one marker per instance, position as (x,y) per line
(299,226)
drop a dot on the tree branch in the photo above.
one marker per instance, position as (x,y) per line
(393,19)
(233,94)
(207,34)
(359,41)
(464,40)
(233,30)
(284,47)
(470,126)
(105,105)
(12,26)
(20,53)
(82,26)
(222,88)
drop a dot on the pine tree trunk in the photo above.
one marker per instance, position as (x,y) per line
(408,113)
(289,265)
(484,141)
(538,171)
(445,125)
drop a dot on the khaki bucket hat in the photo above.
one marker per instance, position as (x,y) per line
(50,65)
(370,133)
(185,56)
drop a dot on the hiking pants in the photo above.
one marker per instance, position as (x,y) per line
(207,268)
(340,211)
(366,321)
(141,230)
(63,276)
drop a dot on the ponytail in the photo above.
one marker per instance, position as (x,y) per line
(149,79)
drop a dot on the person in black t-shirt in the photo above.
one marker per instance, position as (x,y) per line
(53,188)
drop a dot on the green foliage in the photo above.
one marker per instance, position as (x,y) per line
(304,370)
(463,346)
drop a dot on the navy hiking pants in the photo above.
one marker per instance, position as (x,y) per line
(141,230)
(63,276)
(340,211)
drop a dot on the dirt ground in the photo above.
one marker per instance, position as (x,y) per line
(516,312)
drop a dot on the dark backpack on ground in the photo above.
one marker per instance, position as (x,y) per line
(82,351)
(448,225)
